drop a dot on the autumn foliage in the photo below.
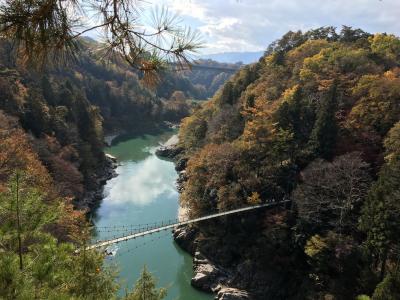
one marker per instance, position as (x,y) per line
(313,121)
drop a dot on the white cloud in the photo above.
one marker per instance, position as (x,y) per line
(250,25)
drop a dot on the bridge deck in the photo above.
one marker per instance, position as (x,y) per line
(170,226)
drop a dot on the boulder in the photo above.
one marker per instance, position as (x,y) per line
(168,151)
(207,276)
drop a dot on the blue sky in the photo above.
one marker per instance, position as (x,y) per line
(250,25)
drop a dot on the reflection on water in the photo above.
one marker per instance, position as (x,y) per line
(145,192)
(143,182)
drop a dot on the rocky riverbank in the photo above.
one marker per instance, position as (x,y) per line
(169,149)
(208,276)
(94,193)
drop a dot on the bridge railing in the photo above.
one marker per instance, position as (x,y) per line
(171,224)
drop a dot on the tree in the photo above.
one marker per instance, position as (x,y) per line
(387,46)
(295,114)
(381,211)
(228,95)
(51,269)
(47,31)
(193,131)
(331,193)
(323,136)
(389,288)
(145,288)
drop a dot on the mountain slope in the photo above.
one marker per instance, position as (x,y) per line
(312,121)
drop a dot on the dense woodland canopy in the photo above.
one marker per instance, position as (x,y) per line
(316,120)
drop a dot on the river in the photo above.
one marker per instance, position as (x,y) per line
(144,192)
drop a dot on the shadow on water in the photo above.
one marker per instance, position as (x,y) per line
(140,133)
(185,274)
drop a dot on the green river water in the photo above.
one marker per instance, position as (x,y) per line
(145,192)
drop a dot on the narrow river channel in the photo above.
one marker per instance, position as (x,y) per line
(145,192)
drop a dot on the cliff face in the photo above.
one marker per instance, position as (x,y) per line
(234,267)
(309,122)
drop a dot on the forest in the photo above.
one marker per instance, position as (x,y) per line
(316,121)
(52,125)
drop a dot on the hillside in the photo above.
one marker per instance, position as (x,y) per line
(316,120)
(67,110)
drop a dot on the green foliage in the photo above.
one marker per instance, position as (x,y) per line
(50,270)
(386,46)
(389,288)
(381,211)
(363,297)
(145,288)
(193,132)
(295,114)
(46,32)
(323,135)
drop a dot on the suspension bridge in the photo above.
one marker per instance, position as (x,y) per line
(151,229)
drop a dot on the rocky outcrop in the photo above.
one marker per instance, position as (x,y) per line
(207,276)
(168,151)
(170,148)
(181,164)
(185,236)
(94,193)
(182,178)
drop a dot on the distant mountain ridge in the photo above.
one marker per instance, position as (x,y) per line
(234,57)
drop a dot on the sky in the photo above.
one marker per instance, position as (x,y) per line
(251,25)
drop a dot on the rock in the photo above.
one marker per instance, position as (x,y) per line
(207,276)
(180,182)
(184,236)
(94,194)
(109,138)
(171,125)
(168,151)
(111,158)
(226,293)
(181,164)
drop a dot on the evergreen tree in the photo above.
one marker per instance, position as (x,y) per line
(381,212)
(323,135)
(228,94)
(48,92)
(145,288)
